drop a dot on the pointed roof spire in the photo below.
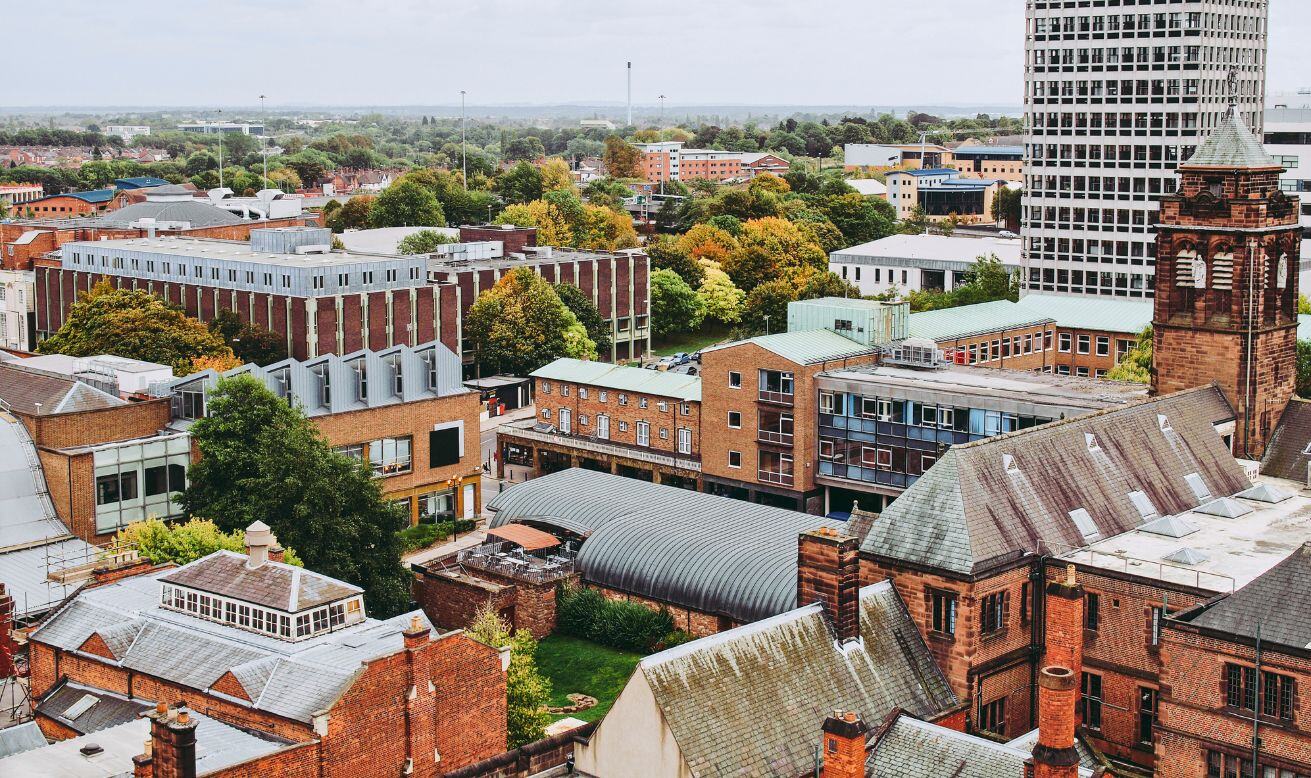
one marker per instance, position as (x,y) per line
(1231,144)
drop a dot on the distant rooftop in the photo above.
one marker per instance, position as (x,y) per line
(679,386)
(985,151)
(925,250)
(94,196)
(806,347)
(933,171)
(970,320)
(30,390)
(531,256)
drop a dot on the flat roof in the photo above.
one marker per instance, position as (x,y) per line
(965,381)
(805,347)
(235,250)
(532,255)
(939,248)
(1234,550)
(978,151)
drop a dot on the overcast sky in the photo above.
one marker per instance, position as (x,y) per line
(407,52)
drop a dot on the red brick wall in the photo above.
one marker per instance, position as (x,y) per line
(514,238)
(1017,359)
(452,601)
(669,420)
(85,428)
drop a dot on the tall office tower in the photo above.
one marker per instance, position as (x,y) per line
(1116,94)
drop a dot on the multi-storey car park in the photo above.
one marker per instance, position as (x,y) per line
(1117,93)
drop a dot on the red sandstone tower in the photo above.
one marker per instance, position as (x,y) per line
(1227,251)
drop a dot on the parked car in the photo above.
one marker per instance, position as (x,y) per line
(1007,234)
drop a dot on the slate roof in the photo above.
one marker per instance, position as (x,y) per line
(621,378)
(711,553)
(969,320)
(194,212)
(751,701)
(805,347)
(1231,145)
(911,748)
(93,196)
(1286,457)
(109,709)
(295,680)
(1279,601)
(22,388)
(993,500)
(272,584)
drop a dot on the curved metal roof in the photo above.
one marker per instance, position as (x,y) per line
(713,554)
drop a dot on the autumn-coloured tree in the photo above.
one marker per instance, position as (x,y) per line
(773,248)
(622,159)
(520,324)
(134,323)
(556,176)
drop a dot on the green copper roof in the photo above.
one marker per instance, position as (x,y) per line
(1232,144)
(969,320)
(1109,314)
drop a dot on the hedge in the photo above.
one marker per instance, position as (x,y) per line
(584,613)
(424,535)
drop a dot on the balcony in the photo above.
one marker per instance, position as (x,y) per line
(773,437)
(508,560)
(778,398)
(772,477)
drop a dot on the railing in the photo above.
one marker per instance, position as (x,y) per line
(498,558)
(770,477)
(769,436)
(782,398)
(1148,568)
(600,446)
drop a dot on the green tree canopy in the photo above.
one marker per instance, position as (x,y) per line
(1136,364)
(406,204)
(987,280)
(134,323)
(598,329)
(769,299)
(666,254)
(520,184)
(675,306)
(261,459)
(354,215)
(250,342)
(423,242)
(527,691)
(771,248)
(183,543)
(521,324)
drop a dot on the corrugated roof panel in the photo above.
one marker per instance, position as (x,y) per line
(1108,314)
(622,378)
(806,347)
(969,320)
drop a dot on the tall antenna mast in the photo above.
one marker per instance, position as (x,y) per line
(630,94)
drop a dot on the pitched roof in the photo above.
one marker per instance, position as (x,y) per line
(711,553)
(93,196)
(969,320)
(139,182)
(84,709)
(272,584)
(805,347)
(194,212)
(1287,455)
(911,748)
(1059,486)
(27,515)
(1231,145)
(621,378)
(751,700)
(1278,602)
(295,680)
(22,388)
(1107,314)
(19,738)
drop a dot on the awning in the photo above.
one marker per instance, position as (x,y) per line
(524,535)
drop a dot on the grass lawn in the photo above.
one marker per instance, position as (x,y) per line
(580,666)
(691,342)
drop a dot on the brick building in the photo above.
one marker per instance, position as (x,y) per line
(1228,249)
(62,206)
(639,423)
(282,654)
(1234,670)
(402,411)
(670,161)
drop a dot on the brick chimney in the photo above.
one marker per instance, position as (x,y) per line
(828,572)
(416,635)
(172,744)
(7,645)
(1058,683)
(843,745)
(259,538)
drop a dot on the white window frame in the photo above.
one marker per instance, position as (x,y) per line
(684,440)
(602,426)
(643,433)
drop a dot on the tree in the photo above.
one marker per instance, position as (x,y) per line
(182,543)
(520,184)
(310,164)
(720,297)
(552,227)
(675,306)
(708,242)
(1136,364)
(985,281)
(261,459)
(250,342)
(423,242)
(827,284)
(666,253)
(521,324)
(766,308)
(354,215)
(134,323)
(556,176)
(581,305)
(860,219)
(406,204)
(607,192)
(527,149)
(622,160)
(773,248)
(526,691)
(1006,207)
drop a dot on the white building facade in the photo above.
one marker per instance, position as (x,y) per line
(17,309)
(1288,140)
(1116,95)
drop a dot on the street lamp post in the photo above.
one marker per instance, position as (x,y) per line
(464,153)
(264,141)
(220,132)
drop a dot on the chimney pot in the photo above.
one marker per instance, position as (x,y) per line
(850,715)
(161,707)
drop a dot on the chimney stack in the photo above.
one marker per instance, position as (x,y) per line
(259,538)
(828,572)
(417,634)
(277,552)
(1058,684)
(843,745)
(7,645)
(172,749)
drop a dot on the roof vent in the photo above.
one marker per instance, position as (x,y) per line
(1187,556)
(1087,527)
(90,749)
(1008,464)
(1225,508)
(1163,423)
(81,706)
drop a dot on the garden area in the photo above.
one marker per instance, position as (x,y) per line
(424,535)
(578,666)
(691,342)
